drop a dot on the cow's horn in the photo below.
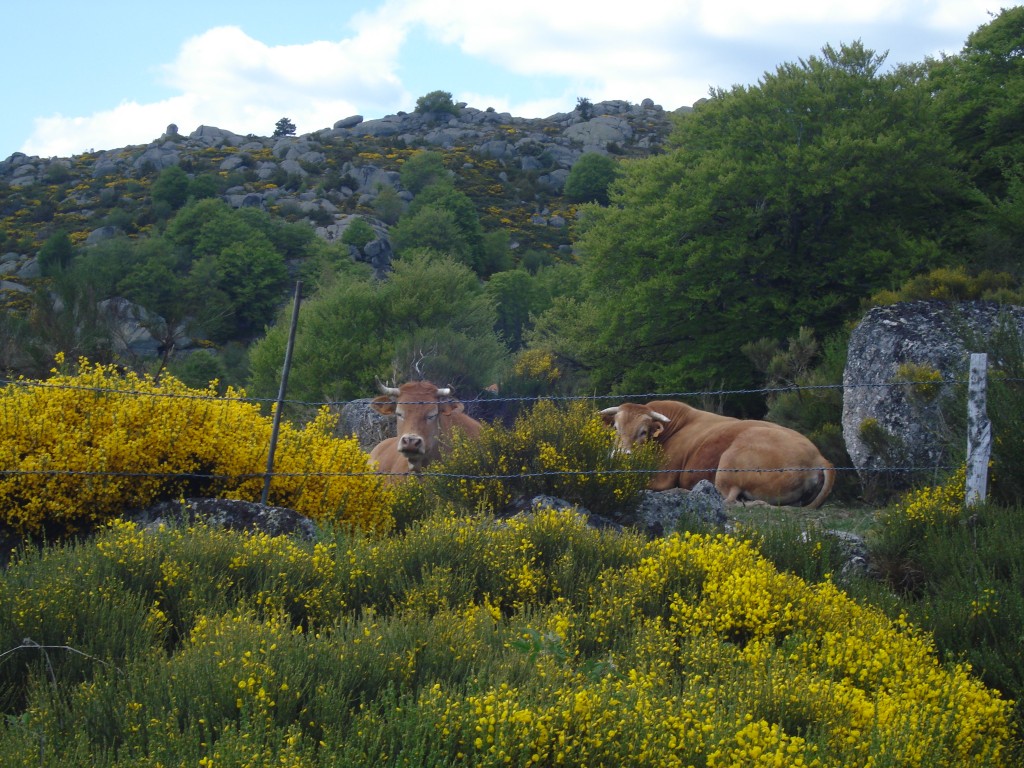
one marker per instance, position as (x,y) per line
(386,390)
(660,417)
(611,411)
(444,391)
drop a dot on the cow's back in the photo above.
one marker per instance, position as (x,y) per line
(460,421)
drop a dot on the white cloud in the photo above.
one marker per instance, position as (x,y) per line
(229,80)
(672,51)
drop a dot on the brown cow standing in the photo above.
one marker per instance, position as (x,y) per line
(427,415)
(727,450)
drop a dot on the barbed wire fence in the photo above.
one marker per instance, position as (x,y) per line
(979,429)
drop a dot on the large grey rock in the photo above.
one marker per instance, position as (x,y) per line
(596,134)
(359,420)
(348,122)
(660,512)
(940,335)
(102,233)
(216,137)
(232,514)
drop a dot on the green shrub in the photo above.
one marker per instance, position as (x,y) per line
(358,233)
(436,101)
(566,452)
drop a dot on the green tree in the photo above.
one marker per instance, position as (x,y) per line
(387,204)
(237,289)
(358,233)
(436,102)
(431,315)
(56,254)
(434,228)
(515,295)
(171,187)
(445,220)
(589,178)
(980,99)
(778,206)
(980,94)
(421,169)
(235,265)
(284,127)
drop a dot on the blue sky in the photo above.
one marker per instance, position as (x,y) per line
(90,76)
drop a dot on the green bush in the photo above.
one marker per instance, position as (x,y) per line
(436,101)
(960,575)
(590,177)
(358,233)
(565,452)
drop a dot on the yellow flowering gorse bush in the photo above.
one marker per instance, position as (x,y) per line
(932,505)
(80,448)
(538,643)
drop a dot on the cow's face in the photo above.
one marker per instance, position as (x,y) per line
(634,424)
(418,407)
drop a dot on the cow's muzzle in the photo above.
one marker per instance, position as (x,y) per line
(412,443)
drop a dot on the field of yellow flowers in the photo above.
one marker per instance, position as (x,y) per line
(460,640)
(536,642)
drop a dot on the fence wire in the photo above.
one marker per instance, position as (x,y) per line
(489,400)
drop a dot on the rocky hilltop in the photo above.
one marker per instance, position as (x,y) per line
(330,174)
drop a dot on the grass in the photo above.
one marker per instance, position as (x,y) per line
(535,641)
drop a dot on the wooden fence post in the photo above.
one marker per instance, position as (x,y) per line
(979,431)
(280,394)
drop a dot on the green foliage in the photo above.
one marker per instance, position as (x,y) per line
(56,254)
(445,220)
(515,296)
(358,233)
(590,177)
(954,284)
(495,253)
(436,102)
(566,452)
(433,228)
(960,576)
(779,202)
(387,205)
(430,311)
(284,127)
(536,641)
(584,107)
(171,187)
(421,169)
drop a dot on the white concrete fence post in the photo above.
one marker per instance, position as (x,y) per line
(979,431)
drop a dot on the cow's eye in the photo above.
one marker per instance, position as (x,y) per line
(431,416)
(400,414)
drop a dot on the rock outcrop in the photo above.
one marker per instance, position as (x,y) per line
(877,399)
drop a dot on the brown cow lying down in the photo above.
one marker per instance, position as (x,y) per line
(726,449)
(427,415)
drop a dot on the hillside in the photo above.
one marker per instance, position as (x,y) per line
(513,169)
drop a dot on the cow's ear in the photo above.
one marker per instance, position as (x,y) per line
(656,428)
(384,405)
